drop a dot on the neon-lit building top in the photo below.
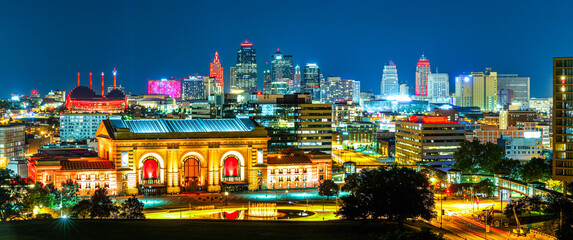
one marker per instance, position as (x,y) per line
(185,125)
(171,87)
(216,71)
(422,72)
(83,99)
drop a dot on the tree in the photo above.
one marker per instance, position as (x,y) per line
(101,205)
(474,157)
(397,194)
(560,207)
(328,188)
(484,187)
(38,196)
(131,208)
(81,209)
(68,193)
(510,167)
(11,206)
(536,169)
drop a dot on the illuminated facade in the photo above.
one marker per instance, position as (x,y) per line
(246,70)
(422,72)
(563,118)
(171,87)
(310,83)
(423,139)
(12,143)
(281,73)
(438,88)
(79,126)
(83,100)
(490,133)
(216,71)
(464,91)
(173,156)
(389,85)
(193,88)
(484,88)
(518,85)
(294,169)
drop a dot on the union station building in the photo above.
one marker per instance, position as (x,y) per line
(176,155)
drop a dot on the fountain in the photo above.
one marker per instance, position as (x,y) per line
(263,210)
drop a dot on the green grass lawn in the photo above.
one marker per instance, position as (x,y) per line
(185,229)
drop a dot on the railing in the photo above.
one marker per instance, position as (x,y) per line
(151,181)
(538,234)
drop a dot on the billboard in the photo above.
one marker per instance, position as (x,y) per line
(171,87)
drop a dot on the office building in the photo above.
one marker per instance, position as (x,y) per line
(562,118)
(464,91)
(519,87)
(245,75)
(340,90)
(75,127)
(233,81)
(404,89)
(389,85)
(295,86)
(13,147)
(281,73)
(267,82)
(193,88)
(522,149)
(422,72)
(311,81)
(484,88)
(216,71)
(541,105)
(293,169)
(438,88)
(424,139)
(209,86)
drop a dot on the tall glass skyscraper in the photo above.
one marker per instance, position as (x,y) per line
(295,86)
(389,85)
(438,88)
(193,88)
(422,72)
(246,70)
(281,73)
(519,87)
(311,81)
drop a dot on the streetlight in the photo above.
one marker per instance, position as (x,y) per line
(286,195)
(226,198)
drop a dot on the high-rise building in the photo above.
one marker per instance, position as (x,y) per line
(389,85)
(209,86)
(438,88)
(267,82)
(562,118)
(422,72)
(423,139)
(233,80)
(519,87)
(485,90)
(404,89)
(281,73)
(171,87)
(246,70)
(13,145)
(311,81)
(296,81)
(216,71)
(193,88)
(464,91)
(340,90)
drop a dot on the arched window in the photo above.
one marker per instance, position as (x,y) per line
(150,168)
(231,166)
(191,169)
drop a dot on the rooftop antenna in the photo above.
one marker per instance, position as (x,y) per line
(91,81)
(101,84)
(114,73)
(78,79)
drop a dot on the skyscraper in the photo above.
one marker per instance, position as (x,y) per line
(519,87)
(562,118)
(389,85)
(485,90)
(422,72)
(193,88)
(246,70)
(233,80)
(267,82)
(311,81)
(340,90)
(281,73)
(464,91)
(297,80)
(216,71)
(438,88)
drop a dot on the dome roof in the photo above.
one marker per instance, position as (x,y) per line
(82,92)
(115,94)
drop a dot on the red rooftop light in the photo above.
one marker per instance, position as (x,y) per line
(246,44)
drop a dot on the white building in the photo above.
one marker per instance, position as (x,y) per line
(12,143)
(438,88)
(336,89)
(389,85)
(80,126)
(404,90)
(522,149)
(541,105)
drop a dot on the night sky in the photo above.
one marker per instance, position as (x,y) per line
(43,44)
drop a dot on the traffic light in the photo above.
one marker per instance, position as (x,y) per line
(448,191)
(477,200)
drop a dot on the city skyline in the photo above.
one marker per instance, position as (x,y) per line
(102,37)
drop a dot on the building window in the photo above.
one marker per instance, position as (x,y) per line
(260,172)
(259,156)
(124,159)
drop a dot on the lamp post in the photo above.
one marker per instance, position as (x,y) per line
(286,195)
(226,198)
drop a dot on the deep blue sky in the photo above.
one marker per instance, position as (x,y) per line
(43,44)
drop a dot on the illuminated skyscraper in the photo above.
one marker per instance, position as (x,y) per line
(562,119)
(193,88)
(519,86)
(233,80)
(422,72)
(281,73)
(485,90)
(438,88)
(216,71)
(246,70)
(295,86)
(311,81)
(389,85)
(267,82)
(464,91)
